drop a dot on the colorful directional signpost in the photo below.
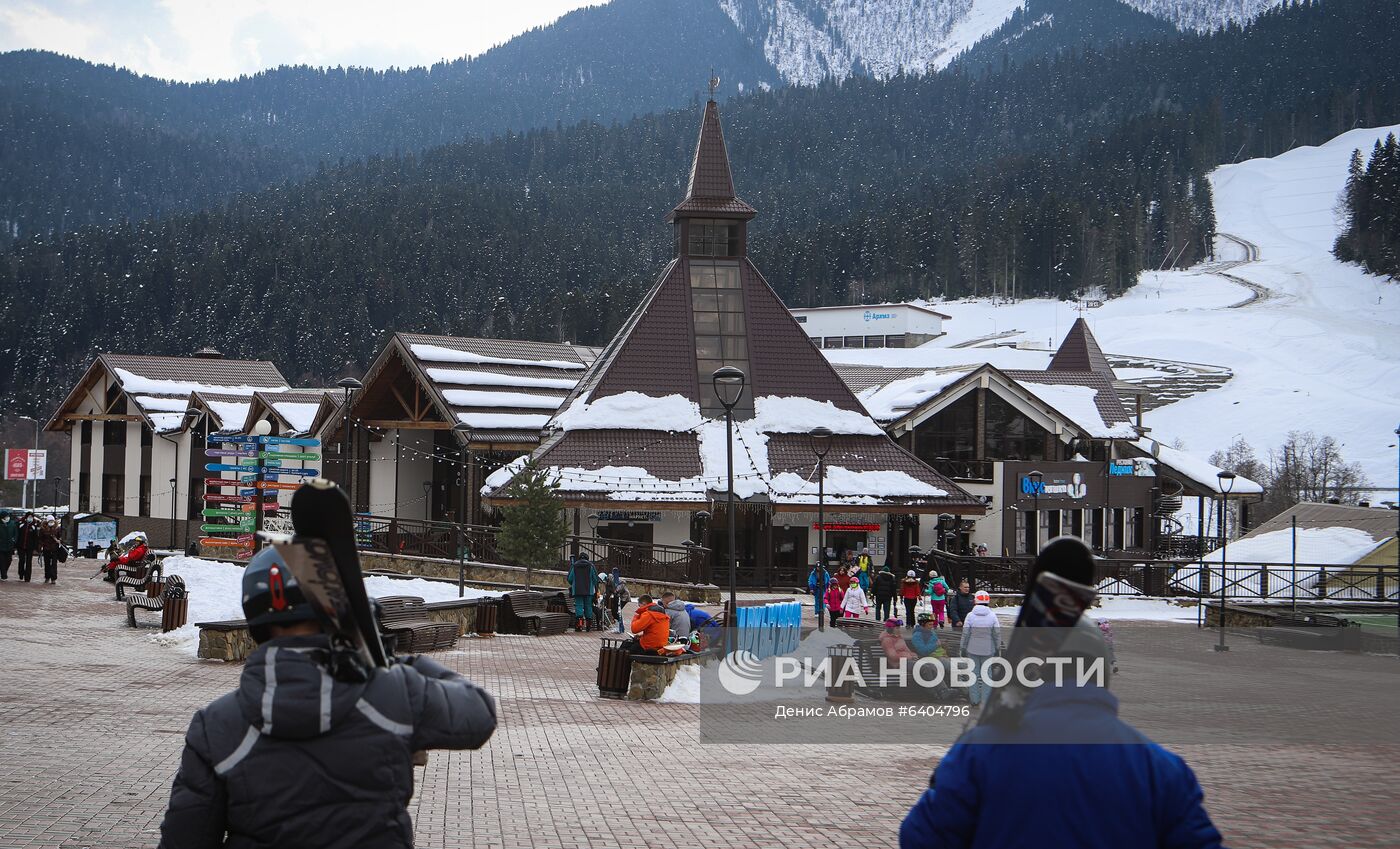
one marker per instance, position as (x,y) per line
(263,467)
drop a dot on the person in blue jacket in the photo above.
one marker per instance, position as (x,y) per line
(583,583)
(1072,774)
(925,638)
(817,581)
(704,623)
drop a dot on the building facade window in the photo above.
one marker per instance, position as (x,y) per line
(717,304)
(949,434)
(1011,435)
(833,342)
(709,237)
(875,341)
(113,491)
(855,341)
(894,341)
(1021,536)
(144,497)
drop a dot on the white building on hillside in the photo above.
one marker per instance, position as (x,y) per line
(871,325)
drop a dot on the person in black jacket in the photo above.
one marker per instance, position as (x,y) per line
(27,544)
(299,757)
(886,587)
(960,604)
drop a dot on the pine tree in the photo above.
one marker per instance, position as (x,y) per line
(532,528)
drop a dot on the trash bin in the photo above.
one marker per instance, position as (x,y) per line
(486,613)
(841,690)
(173,614)
(614,668)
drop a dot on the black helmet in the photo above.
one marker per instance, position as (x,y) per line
(271,594)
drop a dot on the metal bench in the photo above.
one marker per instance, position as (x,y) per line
(172,595)
(527,612)
(138,579)
(403,618)
(861,629)
(867,654)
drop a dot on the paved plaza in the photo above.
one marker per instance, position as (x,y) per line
(92,717)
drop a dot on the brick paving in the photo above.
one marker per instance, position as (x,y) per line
(92,716)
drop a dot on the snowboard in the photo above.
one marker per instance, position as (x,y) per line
(1059,591)
(321,513)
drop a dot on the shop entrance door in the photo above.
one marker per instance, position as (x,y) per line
(790,557)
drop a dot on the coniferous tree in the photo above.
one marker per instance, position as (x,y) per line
(533,530)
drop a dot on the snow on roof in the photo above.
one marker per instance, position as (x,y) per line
(872,484)
(780,414)
(894,399)
(1334,546)
(132,382)
(439,354)
(934,356)
(299,415)
(504,421)
(1077,403)
(455,377)
(631,411)
(471,398)
(231,414)
(1194,469)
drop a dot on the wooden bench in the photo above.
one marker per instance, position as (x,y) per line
(527,612)
(403,618)
(867,654)
(137,580)
(173,595)
(861,629)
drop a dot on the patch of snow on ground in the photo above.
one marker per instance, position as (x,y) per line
(685,688)
(216,595)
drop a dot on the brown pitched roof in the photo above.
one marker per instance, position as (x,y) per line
(711,187)
(260,373)
(1080,352)
(1106,398)
(655,352)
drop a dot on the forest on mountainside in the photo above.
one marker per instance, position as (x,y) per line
(1371,204)
(1055,176)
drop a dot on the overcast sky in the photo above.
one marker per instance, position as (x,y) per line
(202,39)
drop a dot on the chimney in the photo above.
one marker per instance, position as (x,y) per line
(208,353)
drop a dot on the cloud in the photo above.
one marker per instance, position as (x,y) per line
(194,40)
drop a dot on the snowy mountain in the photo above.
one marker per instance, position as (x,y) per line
(1308,341)
(1203,15)
(809,40)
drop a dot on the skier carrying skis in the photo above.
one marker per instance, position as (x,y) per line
(298,757)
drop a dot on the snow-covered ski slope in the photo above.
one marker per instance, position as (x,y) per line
(1314,344)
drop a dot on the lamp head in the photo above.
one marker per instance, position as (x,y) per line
(1227,481)
(821,441)
(262,427)
(703,515)
(1035,475)
(729,385)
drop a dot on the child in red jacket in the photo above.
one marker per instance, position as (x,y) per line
(834,596)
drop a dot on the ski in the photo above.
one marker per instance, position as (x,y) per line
(312,563)
(321,511)
(1059,591)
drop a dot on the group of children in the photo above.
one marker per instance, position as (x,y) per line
(850,591)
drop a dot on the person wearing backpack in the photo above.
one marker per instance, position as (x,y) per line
(886,588)
(909,591)
(938,596)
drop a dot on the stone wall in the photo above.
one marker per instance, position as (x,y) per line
(231,645)
(513,577)
(650,680)
(235,644)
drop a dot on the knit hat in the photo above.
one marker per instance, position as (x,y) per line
(893,623)
(925,618)
(982,597)
(911,574)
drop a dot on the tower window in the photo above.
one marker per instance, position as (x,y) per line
(709,237)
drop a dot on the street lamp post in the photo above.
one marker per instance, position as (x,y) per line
(821,444)
(348,386)
(592,519)
(1227,483)
(464,433)
(1035,477)
(702,518)
(728,384)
